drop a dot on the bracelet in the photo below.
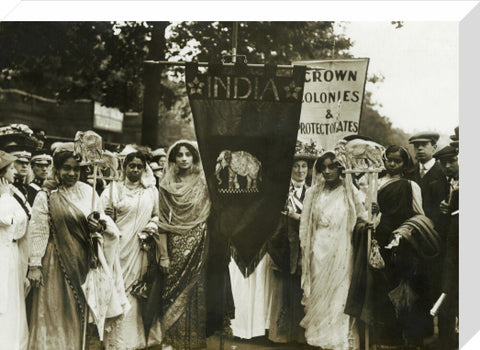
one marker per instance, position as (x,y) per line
(167,258)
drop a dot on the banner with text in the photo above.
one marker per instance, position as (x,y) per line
(332,100)
(246,121)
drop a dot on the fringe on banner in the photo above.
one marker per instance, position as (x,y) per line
(247,270)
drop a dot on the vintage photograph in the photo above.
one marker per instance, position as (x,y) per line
(246,185)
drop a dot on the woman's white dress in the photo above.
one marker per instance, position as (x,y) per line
(252,298)
(135,208)
(13,270)
(330,258)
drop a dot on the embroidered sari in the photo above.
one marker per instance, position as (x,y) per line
(184,207)
(58,240)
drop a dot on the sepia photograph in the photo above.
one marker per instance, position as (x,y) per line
(230,185)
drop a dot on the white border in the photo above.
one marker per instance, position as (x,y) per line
(13,10)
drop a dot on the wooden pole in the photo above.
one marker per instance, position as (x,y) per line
(85,320)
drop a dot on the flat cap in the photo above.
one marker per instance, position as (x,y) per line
(425,136)
(41,158)
(159,152)
(446,152)
(455,139)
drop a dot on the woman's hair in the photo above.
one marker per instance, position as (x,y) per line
(173,153)
(4,169)
(132,156)
(319,167)
(406,157)
(61,157)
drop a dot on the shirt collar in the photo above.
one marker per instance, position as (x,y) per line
(297,184)
(428,165)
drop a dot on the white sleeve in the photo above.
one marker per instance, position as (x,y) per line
(7,211)
(38,229)
(417,198)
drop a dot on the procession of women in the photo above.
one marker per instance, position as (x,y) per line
(109,250)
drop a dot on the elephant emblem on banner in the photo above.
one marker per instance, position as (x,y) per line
(239,163)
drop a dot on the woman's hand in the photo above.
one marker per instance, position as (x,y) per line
(4,186)
(375,208)
(35,276)
(94,224)
(165,265)
(444,208)
(110,212)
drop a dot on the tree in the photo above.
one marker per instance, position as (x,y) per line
(261,42)
(378,127)
(102,61)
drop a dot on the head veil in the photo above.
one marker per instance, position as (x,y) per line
(183,205)
(307,224)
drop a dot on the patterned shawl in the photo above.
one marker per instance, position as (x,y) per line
(183,205)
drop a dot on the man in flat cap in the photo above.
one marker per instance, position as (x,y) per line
(22,165)
(448,335)
(40,163)
(428,174)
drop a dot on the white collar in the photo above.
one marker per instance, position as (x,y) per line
(428,165)
(297,184)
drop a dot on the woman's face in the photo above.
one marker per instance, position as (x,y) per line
(300,170)
(394,163)
(330,171)
(184,158)
(134,170)
(10,172)
(69,173)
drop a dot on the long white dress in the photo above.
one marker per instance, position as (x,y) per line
(135,209)
(252,298)
(327,255)
(13,269)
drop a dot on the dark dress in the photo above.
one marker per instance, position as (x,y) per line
(287,309)
(449,310)
(372,290)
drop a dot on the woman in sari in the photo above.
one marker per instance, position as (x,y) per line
(133,203)
(62,255)
(330,212)
(400,308)
(184,208)
(14,216)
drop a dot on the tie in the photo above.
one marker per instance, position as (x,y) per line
(422,170)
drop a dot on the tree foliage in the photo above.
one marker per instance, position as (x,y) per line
(261,42)
(74,60)
(104,61)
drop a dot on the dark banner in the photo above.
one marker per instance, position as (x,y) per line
(246,121)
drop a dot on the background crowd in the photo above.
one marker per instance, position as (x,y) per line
(321,281)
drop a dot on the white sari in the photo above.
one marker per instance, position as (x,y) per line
(326,227)
(135,209)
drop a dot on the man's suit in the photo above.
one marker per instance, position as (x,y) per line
(435,188)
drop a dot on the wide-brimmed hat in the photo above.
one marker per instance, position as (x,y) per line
(306,151)
(6,159)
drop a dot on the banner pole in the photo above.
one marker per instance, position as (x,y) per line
(234,42)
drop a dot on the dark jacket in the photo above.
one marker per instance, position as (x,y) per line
(435,187)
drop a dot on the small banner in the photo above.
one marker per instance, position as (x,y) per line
(332,100)
(246,121)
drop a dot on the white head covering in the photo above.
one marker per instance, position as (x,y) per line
(307,224)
